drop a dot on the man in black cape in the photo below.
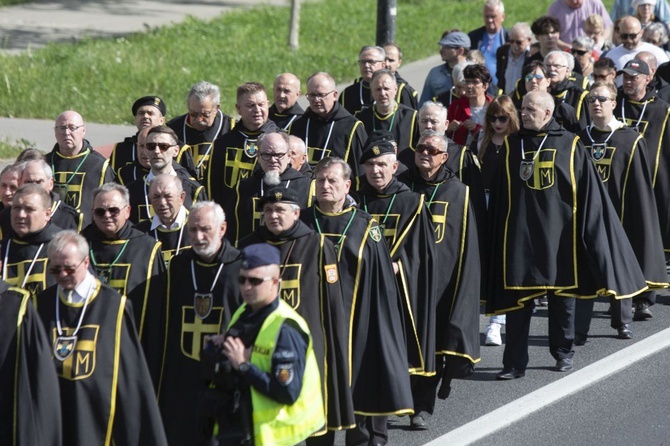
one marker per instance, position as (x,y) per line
(141,166)
(326,127)
(234,154)
(311,285)
(202,296)
(29,396)
(105,388)
(377,352)
(554,231)
(357,96)
(458,282)
(408,231)
(620,155)
(285,92)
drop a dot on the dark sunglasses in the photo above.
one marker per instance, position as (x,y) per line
(161,145)
(631,36)
(501,119)
(601,99)
(254,281)
(578,52)
(69,270)
(433,151)
(113,211)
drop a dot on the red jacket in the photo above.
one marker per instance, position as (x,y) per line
(459,110)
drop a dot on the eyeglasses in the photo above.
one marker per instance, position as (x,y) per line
(530,77)
(631,36)
(315,96)
(269,156)
(151,146)
(517,42)
(602,77)
(196,115)
(601,99)
(253,281)
(69,270)
(501,119)
(578,52)
(433,151)
(71,128)
(370,62)
(554,65)
(113,211)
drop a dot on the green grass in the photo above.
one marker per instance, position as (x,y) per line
(102,77)
(13,2)
(9,148)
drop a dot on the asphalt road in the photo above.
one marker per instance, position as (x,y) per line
(596,407)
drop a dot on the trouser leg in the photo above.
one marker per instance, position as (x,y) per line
(561,311)
(359,435)
(424,388)
(583,315)
(327,439)
(516,343)
(622,312)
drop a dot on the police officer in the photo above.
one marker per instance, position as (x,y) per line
(270,347)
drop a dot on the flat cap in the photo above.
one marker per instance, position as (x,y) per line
(456,39)
(260,254)
(150,100)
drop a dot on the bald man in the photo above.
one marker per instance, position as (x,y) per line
(77,168)
(285,91)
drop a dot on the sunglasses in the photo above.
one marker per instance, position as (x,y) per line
(433,151)
(530,77)
(631,36)
(253,281)
(113,211)
(601,99)
(69,270)
(161,145)
(601,77)
(501,119)
(578,52)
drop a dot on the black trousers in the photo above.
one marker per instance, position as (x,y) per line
(368,430)
(424,388)
(622,313)
(561,315)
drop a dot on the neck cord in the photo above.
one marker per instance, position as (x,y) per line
(325,146)
(344,233)
(623,114)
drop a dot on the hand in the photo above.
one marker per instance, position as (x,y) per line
(234,350)
(396,268)
(470,125)
(215,339)
(453,126)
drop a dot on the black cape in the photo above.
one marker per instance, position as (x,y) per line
(653,125)
(173,240)
(248,212)
(406,94)
(62,215)
(131,172)
(77,176)
(557,230)
(29,395)
(285,118)
(106,392)
(340,135)
(25,259)
(188,323)
(233,159)
(621,160)
(457,251)
(376,345)
(132,264)
(199,142)
(356,97)
(402,124)
(311,285)
(410,236)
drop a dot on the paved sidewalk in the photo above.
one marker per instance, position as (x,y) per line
(34,24)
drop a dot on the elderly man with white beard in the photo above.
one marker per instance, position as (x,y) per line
(275,170)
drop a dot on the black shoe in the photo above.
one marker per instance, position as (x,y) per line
(542,301)
(418,423)
(625,332)
(580,338)
(563,365)
(510,373)
(642,312)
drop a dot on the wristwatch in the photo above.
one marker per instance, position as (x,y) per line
(244,368)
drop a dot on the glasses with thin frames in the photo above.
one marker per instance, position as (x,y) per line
(433,151)
(253,281)
(69,270)
(151,146)
(113,211)
(320,96)
(71,128)
(196,115)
